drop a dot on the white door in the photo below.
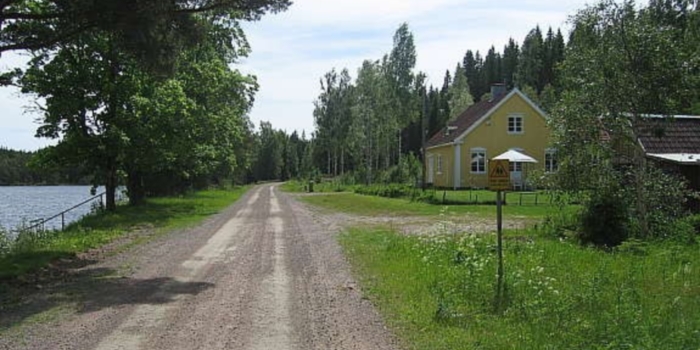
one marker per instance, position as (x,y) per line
(516,175)
(431,169)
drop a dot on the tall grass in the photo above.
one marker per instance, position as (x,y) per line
(437,291)
(32,249)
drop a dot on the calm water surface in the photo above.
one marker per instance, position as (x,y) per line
(21,204)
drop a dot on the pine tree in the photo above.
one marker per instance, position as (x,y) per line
(510,62)
(531,61)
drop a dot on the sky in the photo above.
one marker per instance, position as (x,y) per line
(292,50)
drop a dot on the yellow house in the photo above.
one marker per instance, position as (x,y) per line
(457,156)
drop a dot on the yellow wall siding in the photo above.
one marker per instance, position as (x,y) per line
(444,178)
(492,134)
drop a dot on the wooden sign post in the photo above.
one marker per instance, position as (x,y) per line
(499,181)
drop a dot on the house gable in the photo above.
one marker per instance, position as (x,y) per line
(515,93)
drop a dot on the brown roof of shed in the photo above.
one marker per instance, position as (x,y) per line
(660,135)
(463,122)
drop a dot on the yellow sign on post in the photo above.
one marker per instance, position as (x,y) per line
(499,175)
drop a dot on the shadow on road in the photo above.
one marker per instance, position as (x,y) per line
(85,290)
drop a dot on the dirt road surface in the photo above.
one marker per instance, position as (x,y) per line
(265,274)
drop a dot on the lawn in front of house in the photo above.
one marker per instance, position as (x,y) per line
(380,206)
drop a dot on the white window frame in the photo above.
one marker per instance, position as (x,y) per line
(515,130)
(550,164)
(439,164)
(477,150)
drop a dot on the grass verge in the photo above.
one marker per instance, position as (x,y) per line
(437,292)
(32,251)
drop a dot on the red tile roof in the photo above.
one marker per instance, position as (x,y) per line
(463,122)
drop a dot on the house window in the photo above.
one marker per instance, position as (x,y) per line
(550,160)
(515,124)
(478,160)
(439,164)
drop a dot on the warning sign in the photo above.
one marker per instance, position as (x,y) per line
(499,175)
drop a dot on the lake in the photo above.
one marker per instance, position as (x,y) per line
(21,204)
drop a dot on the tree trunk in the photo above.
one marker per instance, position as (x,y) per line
(640,174)
(134,187)
(369,161)
(376,159)
(111,189)
(398,155)
(329,162)
(111,180)
(387,159)
(335,162)
(342,161)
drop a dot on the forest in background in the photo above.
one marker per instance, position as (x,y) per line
(16,170)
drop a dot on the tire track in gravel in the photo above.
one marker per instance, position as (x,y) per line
(271,321)
(146,319)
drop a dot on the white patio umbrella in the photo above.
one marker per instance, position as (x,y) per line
(515,156)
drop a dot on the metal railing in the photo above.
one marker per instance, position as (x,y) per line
(40,223)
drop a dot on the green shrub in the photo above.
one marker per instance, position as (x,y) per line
(604,221)
(425,197)
(684,230)
(694,221)
(388,191)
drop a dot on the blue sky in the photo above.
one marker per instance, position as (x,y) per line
(292,50)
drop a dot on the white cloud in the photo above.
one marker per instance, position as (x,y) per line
(292,50)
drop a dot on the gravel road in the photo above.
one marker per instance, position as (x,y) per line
(265,274)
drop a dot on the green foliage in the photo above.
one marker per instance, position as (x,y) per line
(159,136)
(152,32)
(665,195)
(684,230)
(694,221)
(560,224)
(624,61)
(460,97)
(270,156)
(362,127)
(387,191)
(436,292)
(604,220)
